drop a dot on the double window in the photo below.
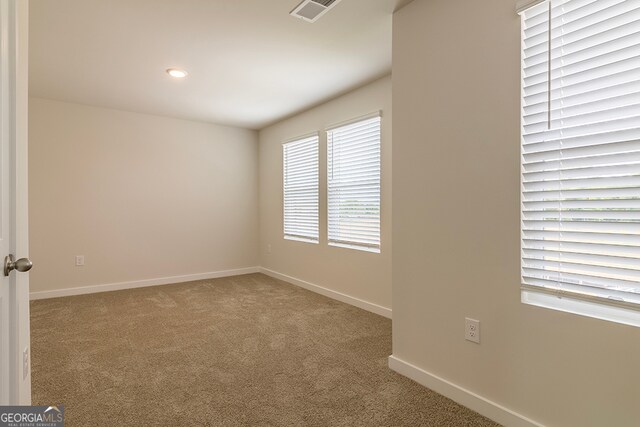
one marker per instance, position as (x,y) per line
(353,186)
(580,160)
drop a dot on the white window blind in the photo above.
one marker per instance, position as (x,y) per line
(353,178)
(581,150)
(300,181)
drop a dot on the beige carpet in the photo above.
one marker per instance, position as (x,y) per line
(245,351)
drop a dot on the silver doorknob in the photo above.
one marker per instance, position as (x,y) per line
(22,265)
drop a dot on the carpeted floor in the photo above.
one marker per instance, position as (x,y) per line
(239,351)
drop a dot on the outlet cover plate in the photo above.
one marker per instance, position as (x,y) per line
(472,330)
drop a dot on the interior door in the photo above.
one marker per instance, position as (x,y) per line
(15,380)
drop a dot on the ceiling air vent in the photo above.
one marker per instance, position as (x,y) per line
(311,10)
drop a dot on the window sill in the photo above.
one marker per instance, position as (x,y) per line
(626,316)
(356,247)
(301,239)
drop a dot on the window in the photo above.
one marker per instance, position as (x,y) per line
(300,182)
(353,178)
(580,158)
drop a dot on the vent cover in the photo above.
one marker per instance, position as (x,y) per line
(311,10)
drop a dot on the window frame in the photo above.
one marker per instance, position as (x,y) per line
(313,138)
(352,244)
(584,304)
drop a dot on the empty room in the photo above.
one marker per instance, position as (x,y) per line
(320,213)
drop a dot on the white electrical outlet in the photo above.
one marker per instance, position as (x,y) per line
(25,363)
(79,260)
(472,330)
(269,248)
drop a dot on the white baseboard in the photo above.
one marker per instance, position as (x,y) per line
(365,305)
(473,401)
(139,283)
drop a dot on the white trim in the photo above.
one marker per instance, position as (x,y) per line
(140,283)
(596,309)
(354,120)
(301,239)
(15,59)
(473,401)
(365,305)
(300,138)
(590,295)
(522,5)
(82,290)
(355,246)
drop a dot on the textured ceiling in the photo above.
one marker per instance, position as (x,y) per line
(250,63)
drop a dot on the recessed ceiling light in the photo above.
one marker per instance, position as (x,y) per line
(177,73)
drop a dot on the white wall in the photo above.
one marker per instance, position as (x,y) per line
(456,230)
(140,196)
(362,275)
